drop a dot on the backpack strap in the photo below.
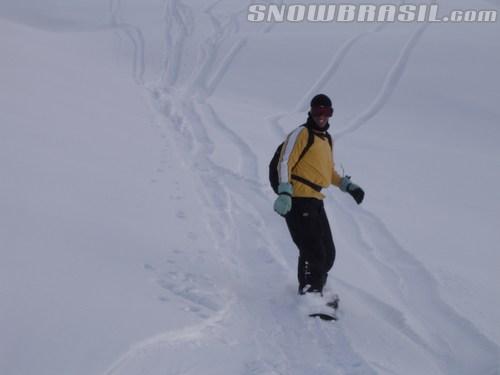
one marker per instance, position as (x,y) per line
(305,181)
(329,137)
(310,141)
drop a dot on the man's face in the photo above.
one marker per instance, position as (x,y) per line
(320,115)
(321,120)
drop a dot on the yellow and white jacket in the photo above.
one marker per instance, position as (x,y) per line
(317,164)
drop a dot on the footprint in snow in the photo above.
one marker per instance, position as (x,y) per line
(149,267)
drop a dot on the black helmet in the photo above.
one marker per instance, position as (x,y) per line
(321,100)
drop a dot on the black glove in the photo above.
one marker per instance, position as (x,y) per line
(354,190)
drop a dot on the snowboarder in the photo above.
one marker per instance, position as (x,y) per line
(306,166)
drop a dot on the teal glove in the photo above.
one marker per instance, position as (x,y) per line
(354,190)
(283,204)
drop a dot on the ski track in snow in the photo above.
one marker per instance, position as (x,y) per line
(388,86)
(178,25)
(193,333)
(453,339)
(327,74)
(225,196)
(332,67)
(134,34)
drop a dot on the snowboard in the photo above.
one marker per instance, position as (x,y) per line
(331,313)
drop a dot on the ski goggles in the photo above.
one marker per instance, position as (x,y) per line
(321,111)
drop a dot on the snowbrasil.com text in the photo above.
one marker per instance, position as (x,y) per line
(364,13)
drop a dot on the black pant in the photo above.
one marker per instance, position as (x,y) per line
(310,230)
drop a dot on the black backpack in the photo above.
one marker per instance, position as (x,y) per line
(273,165)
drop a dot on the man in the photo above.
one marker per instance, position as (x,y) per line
(304,169)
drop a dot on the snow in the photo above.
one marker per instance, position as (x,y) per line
(137,234)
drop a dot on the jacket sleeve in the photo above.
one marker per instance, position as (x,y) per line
(336,178)
(290,153)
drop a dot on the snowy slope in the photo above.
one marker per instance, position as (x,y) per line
(137,234)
